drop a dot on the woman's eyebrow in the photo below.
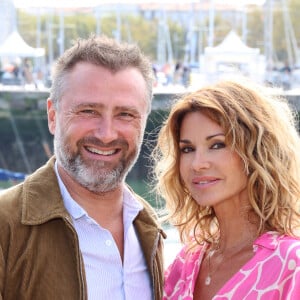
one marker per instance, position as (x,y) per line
(214,135)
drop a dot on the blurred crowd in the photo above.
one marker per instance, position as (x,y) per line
(21,73)
(172,74)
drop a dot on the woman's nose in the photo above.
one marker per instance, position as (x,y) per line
(200,161)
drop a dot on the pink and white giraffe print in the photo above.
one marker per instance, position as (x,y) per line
(273,273)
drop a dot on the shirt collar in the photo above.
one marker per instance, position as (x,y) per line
(74,209)
(268,240)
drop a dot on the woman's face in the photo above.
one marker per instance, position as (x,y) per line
(211,171)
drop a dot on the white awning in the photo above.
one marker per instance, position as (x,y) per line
(14,45)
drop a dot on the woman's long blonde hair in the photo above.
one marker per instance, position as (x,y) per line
(262,129)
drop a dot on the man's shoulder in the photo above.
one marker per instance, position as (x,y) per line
(9,197)
(37,183)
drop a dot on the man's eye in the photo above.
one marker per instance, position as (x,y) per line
(219,145)
(88,112)
(126,115)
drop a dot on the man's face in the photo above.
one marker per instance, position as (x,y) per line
(99,124)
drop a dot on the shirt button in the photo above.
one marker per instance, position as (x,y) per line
(108,242)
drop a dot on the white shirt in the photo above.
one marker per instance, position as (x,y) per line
(106,276)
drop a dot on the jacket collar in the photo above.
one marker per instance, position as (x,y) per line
(42,200)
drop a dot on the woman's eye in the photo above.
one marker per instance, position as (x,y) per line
(219,145)
(186,149)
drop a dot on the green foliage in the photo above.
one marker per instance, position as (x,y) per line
(142,31)
(222,28)
(255,37)
(27,25)
(137,28)
(142,188)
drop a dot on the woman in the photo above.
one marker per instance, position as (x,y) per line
(228,167)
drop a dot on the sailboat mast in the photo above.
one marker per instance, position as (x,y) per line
(211,28)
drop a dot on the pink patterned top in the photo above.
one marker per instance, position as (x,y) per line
(272,273)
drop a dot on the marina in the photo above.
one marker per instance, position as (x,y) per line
(182,61)
(191,44)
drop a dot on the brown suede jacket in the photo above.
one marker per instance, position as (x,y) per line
(40,257)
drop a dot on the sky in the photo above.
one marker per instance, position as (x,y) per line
(92,3)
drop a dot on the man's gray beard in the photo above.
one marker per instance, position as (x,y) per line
(95,177)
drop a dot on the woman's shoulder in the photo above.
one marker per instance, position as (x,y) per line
(290,245)
(273,239)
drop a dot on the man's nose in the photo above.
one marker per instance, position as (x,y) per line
(106,130)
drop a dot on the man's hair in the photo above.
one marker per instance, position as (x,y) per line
(105,52)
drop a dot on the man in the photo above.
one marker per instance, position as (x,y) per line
(73,229)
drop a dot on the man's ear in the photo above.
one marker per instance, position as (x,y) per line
(51,112)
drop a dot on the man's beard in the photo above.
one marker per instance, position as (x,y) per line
(95,175)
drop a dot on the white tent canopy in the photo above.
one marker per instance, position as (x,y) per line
(233,56)
(15,46)
(232,45)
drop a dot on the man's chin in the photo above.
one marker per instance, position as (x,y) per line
(96,176)
(103,189)
(100,184)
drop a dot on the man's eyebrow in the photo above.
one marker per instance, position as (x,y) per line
(90,104)
(125,107)
(101,106)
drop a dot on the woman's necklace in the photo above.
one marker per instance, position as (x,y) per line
(208,277)
(211,252)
